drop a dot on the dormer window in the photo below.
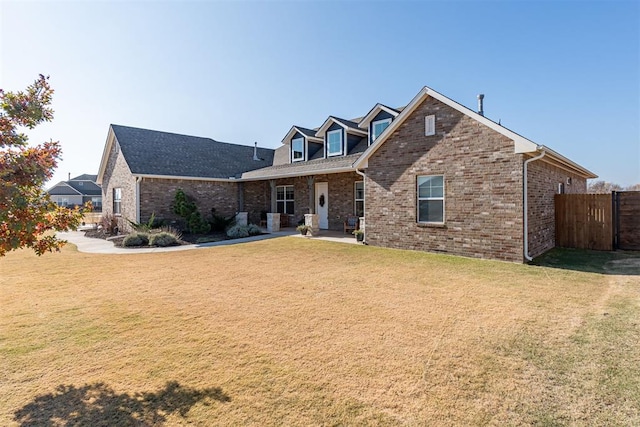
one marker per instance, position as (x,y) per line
(334,142)
(378,127)
(297,149)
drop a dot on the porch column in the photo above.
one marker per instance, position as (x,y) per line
(274,205)
(312,196)
(241,197)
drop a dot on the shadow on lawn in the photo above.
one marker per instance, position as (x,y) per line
(625,263)
(99,405)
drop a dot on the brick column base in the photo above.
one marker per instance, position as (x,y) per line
(311,220)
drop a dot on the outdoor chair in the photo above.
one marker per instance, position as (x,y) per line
(351,223)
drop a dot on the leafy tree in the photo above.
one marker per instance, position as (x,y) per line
(28,217)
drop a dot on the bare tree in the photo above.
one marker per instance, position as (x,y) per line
(600,187)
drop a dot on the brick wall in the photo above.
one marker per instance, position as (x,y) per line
(341,197)
(157,196)
(257,196)
(256,199)
(118,175)
(542,184)
(483,187)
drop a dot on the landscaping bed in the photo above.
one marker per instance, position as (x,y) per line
(184,239)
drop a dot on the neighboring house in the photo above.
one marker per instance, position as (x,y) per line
(77,191)
(433,175)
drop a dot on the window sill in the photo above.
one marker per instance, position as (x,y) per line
(431,225)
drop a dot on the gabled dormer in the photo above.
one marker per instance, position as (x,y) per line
(340,136)
(377,120)
(303,144)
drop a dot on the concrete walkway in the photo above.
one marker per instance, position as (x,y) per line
(100,246)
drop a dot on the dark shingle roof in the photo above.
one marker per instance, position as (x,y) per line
(305,168)
(150,152)
(63,189)
(87,188)
(347,123)
(307,132)
(85,177)
(77,186)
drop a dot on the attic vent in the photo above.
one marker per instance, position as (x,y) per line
(430,125)
(80,183)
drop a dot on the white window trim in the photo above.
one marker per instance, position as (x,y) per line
(303,150)
(418,199)
(355,197)
(285,200)
(119,201)
(430,125)
(336,153)
(373,126)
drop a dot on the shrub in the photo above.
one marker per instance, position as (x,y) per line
(238,231)
(136,239)
(219,222)
(151,224)
(196,224)
(109,223)
(163,239)
(253,230)
(171,230)
(185,207)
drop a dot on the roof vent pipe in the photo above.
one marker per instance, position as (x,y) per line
(255,151)
(480,104)
(69,175)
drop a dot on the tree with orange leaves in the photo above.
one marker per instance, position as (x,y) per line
(28,217)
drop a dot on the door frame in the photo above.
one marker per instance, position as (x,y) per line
(323,223)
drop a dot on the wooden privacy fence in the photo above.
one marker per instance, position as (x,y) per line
(627,220)
(584,221)
(598,221)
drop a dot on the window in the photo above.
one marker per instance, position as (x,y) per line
(431,199)
(284,199)
(334,142)
(359,198)
(117,201)
(97,203)
(62,201)
(378,127)
(297,149)
(560,188)
(429,125)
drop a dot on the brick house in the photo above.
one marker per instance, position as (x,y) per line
(141,170)
(433,175)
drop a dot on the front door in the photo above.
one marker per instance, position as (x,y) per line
(322,204)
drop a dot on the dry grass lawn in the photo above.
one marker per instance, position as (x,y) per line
(295,332)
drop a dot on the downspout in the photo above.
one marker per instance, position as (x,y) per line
(526,206)
(364,210)
(138,181)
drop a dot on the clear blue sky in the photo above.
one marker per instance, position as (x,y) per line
(564,74)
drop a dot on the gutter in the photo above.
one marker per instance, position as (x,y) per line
(526,204)
(364,190)
(138,181)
